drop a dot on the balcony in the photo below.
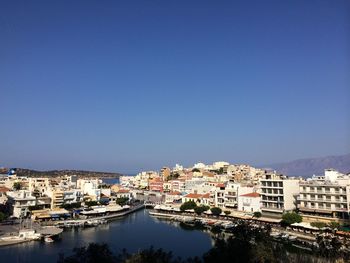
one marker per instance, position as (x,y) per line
(272,209)
(272,194)
(271,187)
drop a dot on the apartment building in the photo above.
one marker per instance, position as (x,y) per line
(38,186)
(326,196)
(21,201)
(90,188)
(173,197)
(178,185)
(278,193)
(233,191)
(165,173)
(218,195)
(156,184)
(3,194)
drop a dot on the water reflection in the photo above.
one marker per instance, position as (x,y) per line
(133,232)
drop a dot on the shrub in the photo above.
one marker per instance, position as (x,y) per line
(122,201)
(291,218)
(334,225)
(216,211)
(257,214)
(17,186)
(188,205)
(200,209)
(318,224)
(91,203)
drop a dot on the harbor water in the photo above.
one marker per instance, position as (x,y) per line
(133,232)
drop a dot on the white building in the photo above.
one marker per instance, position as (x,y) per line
(219,165)
(249,202)
(233,191)
(326,196)
(178,168)
(90,187)
(21,201)
(173,197)
(3,194)
(278,193)
(199,166)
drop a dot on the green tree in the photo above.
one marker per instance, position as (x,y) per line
(291,218)
(216,211)
(247,244)
(334,225)
(91,203)
(122,201)
(71,206)
(17,186)
(200,209)
(257,214)
(227,212)
(94,253)
(318,224)
(188,205)
(220,171)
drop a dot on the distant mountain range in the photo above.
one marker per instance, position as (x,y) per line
(310,166)
(54,173)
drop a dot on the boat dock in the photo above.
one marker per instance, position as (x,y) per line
(82,222)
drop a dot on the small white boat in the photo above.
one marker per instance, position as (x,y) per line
(292,238)
(48,240)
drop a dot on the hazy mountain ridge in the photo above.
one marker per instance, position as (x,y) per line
(55,173)
(308,167)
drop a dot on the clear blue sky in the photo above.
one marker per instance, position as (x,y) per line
(131,85)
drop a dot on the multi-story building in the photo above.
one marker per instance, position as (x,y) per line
(173,197)
(249,202)
(156,184)
(326,196)
(38,186)
(167,186)
(233,191)
(3,194)
(165,173)
(278,193)
(61,196)
(21,201)
(90,188)
(218,195)
(178,185)
(193,184)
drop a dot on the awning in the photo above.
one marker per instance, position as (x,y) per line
(324,211)
(43,216)
(55,216)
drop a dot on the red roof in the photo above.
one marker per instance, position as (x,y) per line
(220,185)
(174,193)
(4,189)
(193,196)
(157,179)
(207,195)
(123,191)
(251,195)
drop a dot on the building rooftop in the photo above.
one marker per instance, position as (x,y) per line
(193,195)
(251,195)
(4,189)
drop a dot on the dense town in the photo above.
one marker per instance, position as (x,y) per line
(221,191)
